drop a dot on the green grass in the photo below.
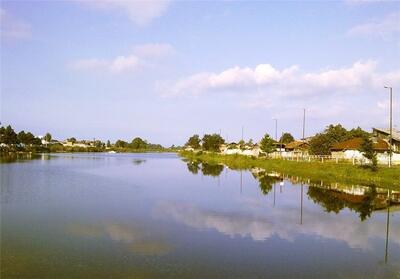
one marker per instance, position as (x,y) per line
(328,172)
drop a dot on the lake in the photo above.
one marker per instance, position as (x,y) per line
(157,216)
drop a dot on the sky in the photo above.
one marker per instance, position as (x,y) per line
(167,70)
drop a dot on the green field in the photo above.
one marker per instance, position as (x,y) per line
(328,172)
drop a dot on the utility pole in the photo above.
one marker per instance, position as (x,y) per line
(276,129)
(304,123)
(390,124)
(242,132)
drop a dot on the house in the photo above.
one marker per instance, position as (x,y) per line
(246,149)
(297,147)
(350,149)
(384,134)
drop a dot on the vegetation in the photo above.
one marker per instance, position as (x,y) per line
(267,144)
(327,172)
(11,142)
(194,142)
(212,142)
(321,143)
(286,138)
(47,137)
(367,149)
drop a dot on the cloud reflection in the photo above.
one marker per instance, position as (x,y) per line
(137,240)
(283,223)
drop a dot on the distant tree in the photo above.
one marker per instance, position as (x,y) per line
(250,142)
(21,137)
(73,140)
(367,149)
(98,144)
(241,144)
(121,144)
(321,143)
(212,142)
(194,142)
(286,138)
(267,144)
(8,135)
(47,137)
(138,143)
(108,143)
(357,133)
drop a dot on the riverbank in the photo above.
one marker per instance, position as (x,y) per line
(328,172)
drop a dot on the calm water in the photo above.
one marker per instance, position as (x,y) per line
(156,216)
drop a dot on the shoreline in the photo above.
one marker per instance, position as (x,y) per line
(384,177)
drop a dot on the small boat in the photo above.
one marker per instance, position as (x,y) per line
(112,152)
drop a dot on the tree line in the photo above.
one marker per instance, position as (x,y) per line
(320,144)
(27,141)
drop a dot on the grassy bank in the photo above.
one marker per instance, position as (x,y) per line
(328,172)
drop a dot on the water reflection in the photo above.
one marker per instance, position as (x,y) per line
(206,168)
(332,197)
(138,161)
(21,157)
(74,215)
(136,239)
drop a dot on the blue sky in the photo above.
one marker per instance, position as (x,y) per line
(165,70)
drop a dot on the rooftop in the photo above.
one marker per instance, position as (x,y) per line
(395,133)
(355,144)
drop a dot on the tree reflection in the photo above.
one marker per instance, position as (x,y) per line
(20,157)
(335,201)
(266,181)
(193,166)
(211,169)
(206,168)
(138,161)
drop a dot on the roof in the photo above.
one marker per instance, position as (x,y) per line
(395,133)
(296,145)
(355,144)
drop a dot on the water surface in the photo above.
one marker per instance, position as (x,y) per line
(154,215)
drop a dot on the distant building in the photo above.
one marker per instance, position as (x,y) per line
(297,147)
(350,149)
(246,149)
(385,135)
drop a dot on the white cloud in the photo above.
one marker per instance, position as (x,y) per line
(153,50)
(140,12)
(386,28)
(13,28)
(124,63)
(265,83)
(142,56)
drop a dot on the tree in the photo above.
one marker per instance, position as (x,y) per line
(241,144)
(267,144)
(321,143)
(286,138)
(73,140)
(108,143)
(367,149)
(212,142)
(194,142)
(21,137)
(121,144)
(357,133)
(47,137)
(138,143)
(8,135)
